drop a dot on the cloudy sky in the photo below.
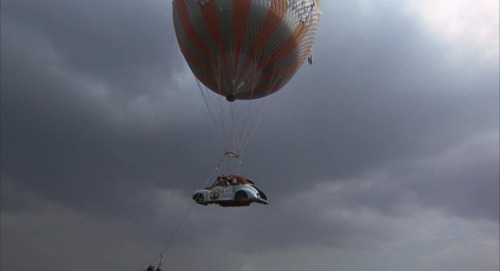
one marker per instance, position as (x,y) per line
(383,155)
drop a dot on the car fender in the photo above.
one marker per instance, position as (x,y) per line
(202,192)
(249,190)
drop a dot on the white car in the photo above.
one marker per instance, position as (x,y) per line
(232,190)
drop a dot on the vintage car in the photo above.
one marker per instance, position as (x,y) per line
(229,191)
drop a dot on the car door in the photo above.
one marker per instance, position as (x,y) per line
(226,192)
(221,192)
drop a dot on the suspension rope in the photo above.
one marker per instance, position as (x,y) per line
(264,107)
(234,122)
(212,110)
(257,117)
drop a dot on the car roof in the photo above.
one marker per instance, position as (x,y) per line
(241,179)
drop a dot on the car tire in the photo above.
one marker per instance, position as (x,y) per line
(200,199)
(241,197)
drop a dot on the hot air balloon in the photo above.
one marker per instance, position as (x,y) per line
(243,50)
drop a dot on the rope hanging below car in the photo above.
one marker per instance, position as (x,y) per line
(181,222)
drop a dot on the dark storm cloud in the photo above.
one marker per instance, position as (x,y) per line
(104,135)
(389,101)
(116,41)
(63,96)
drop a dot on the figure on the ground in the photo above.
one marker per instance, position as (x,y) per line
(152,268)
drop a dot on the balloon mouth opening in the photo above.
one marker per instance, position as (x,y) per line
(230,98)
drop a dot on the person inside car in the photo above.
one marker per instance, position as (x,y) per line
(234,181)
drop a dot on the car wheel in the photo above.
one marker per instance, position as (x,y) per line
(199,199)
(241,197)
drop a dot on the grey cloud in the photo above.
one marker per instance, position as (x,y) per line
(103,125)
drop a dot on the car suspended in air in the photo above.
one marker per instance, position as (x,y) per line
(230,191)
(243,50)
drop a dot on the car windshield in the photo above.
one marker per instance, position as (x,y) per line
(231,180)
(221,181)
